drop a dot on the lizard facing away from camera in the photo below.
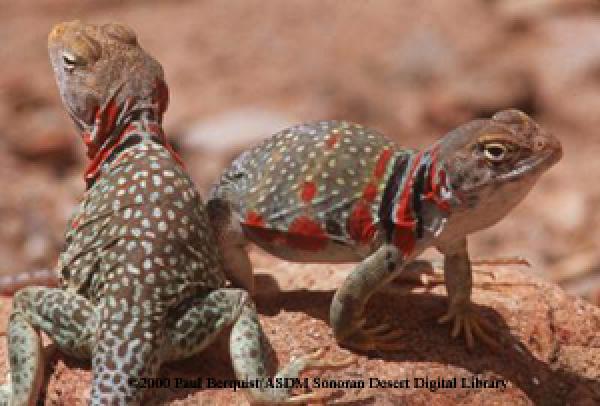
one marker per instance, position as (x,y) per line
(334,191)
(141,279)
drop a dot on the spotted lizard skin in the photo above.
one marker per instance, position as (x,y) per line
(335,191)
(297,197)
(141,280)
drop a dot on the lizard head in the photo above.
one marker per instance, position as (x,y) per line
(492,164)
(105,78)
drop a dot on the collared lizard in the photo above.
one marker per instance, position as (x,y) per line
(141,280)
(333,191)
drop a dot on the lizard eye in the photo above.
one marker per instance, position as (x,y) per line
(495,152)
(69,61)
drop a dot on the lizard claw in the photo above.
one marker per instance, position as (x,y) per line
(315,361)
(378,338)
(502,261)
(316,397)
(377,330)
(473,325)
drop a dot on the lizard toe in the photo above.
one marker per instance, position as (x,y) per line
(378,338)
(472,325)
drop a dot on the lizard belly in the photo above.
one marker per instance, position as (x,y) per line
(305,248)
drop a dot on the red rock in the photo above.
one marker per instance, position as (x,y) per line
(541,363)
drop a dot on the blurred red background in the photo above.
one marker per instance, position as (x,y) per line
(240,70)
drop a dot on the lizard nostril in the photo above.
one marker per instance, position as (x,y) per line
(549,144)
(539,144)
(558,149)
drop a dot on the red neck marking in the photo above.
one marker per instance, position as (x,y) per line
(429,189)
(112,124)
(404,235)
(433,188)
(99,156)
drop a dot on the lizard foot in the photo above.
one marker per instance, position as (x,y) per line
(473,325)
(424,273)
(5,391)
(501,261)
(316,361)
(378,338)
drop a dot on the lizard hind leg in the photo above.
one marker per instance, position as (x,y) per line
(68,319)
(248,346)
(232,244)
(200,322)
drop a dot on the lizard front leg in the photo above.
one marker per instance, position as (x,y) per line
(347,308)
(459,284)
(67,318)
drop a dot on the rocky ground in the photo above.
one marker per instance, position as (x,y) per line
(413,70)
(550,345)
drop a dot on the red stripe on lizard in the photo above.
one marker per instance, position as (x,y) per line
(360,223)
(433,189)
(369,192)
(254,219)
(75,222)
(162,96)
(105,121)
(308,191)
(255,224)
(404,236)
(382,161)
(333,139)
(129,129)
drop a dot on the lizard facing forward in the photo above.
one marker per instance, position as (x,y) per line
(334,191)
(141,280)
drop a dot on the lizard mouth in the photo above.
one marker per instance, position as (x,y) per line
(534,165)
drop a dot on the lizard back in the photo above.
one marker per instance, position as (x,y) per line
(313,190)
(142,206)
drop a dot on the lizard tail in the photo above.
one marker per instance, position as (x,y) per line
(10,283)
